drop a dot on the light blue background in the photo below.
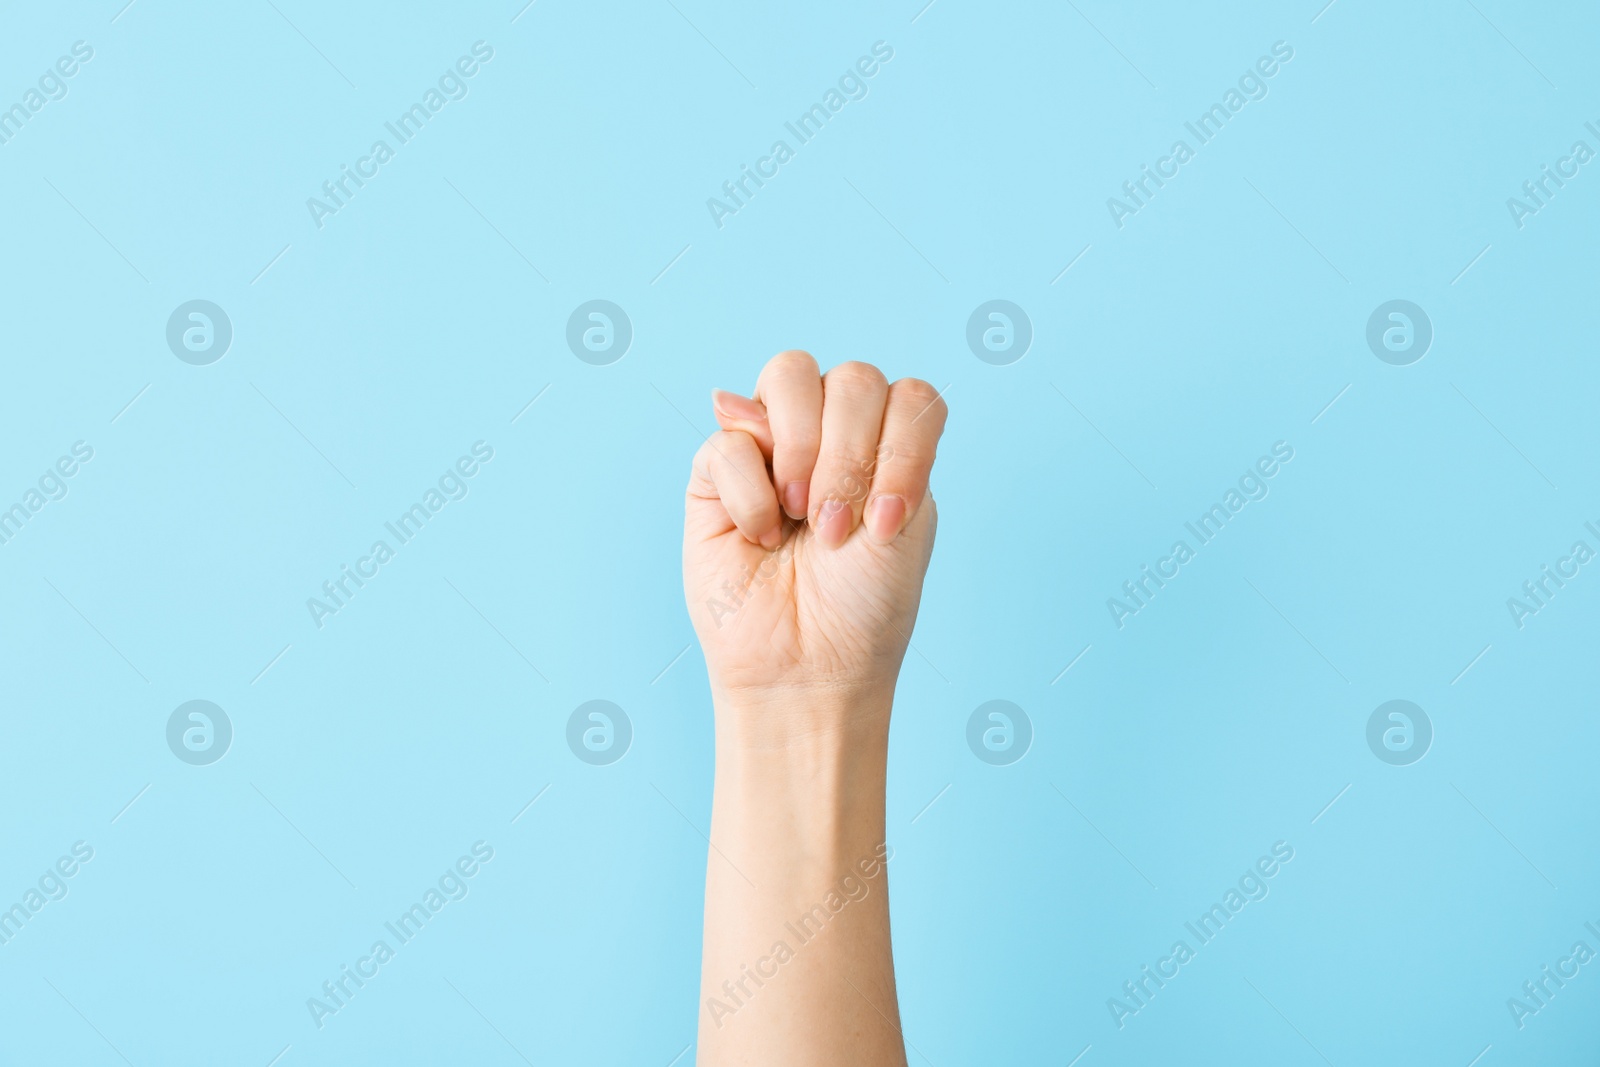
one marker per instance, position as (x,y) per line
(372,353)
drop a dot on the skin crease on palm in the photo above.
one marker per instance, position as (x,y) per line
(808,528)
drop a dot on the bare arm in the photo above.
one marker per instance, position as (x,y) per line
(803,600)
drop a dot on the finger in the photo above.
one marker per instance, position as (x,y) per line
(913,420)
(730,468)
(735,412)
(790,388)
(852,417)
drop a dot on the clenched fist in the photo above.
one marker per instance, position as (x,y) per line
(807,531)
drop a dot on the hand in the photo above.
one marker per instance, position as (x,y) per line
(807,530)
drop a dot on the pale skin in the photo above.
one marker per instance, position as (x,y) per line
(808,527)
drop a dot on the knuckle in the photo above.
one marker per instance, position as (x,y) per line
(916,391)
(726,446)
(844,474)
(856,375)
(722,440)
(902,461)
(796,441)
(758,511)
(706,452)
(838,457)
(925,402)
(790,364)
(797,446)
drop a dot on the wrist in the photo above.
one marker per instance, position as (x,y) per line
(806,769)
(804,721)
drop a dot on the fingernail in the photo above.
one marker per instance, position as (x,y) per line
(884,516)
(794,499)
(833,523)
(773,537)
(736,407)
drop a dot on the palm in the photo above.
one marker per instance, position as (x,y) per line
(800,613)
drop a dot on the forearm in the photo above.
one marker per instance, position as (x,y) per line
(797,966)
